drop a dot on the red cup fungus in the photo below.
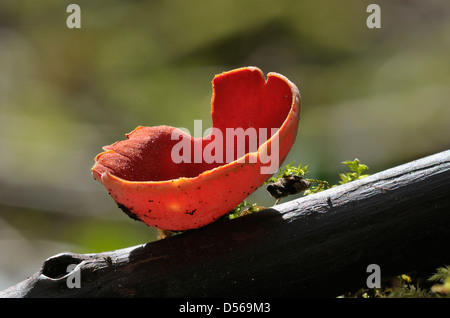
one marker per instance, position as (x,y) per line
(170,180)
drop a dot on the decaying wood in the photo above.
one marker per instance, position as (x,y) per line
(318,245)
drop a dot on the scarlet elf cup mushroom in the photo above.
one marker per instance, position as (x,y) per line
(157,176)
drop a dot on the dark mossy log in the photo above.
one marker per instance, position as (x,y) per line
(315,246)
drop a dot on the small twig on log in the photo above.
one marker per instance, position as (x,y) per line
(318,245)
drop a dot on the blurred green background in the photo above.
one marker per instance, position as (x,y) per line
(380,95)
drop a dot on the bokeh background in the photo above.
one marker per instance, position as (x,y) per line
(379,95)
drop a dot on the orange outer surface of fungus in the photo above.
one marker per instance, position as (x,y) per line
(146,183)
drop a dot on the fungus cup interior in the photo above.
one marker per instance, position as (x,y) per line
(241,99)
